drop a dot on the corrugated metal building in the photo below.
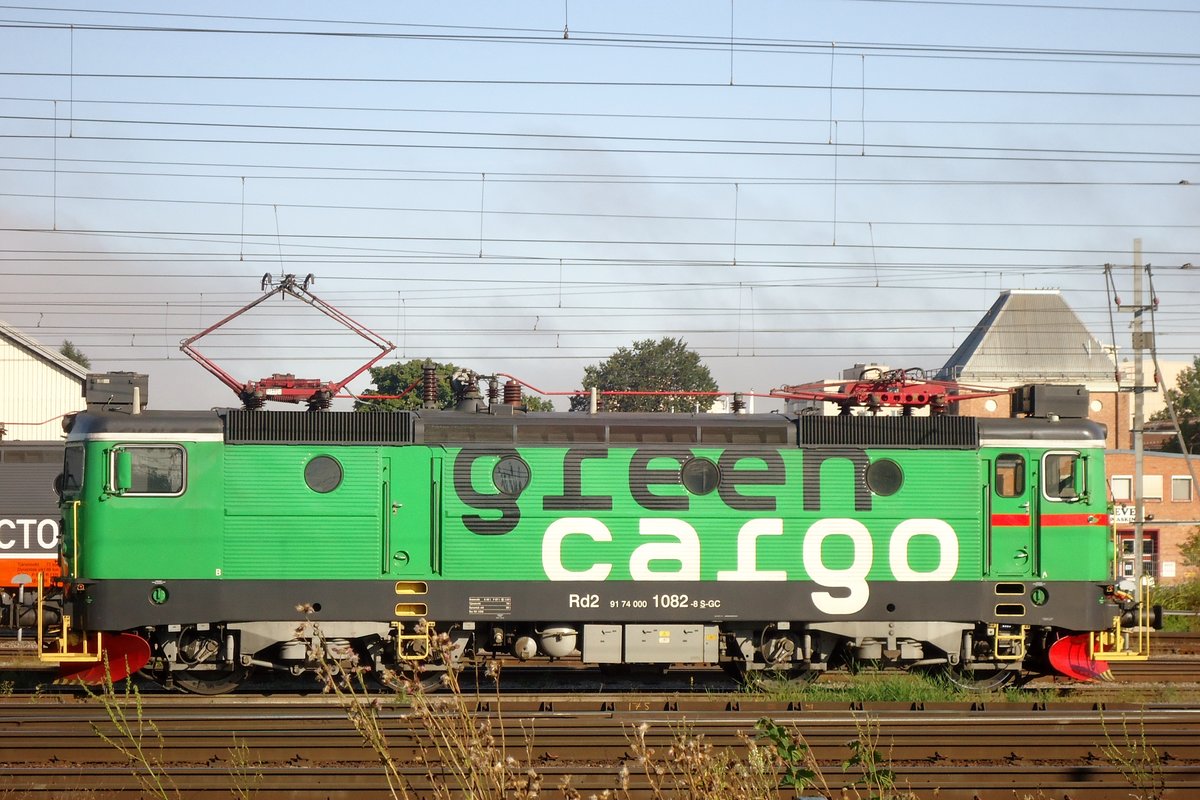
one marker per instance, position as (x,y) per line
(37,387)
(1032,336)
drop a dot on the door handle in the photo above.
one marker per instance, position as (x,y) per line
(1024,506)
(1022,554)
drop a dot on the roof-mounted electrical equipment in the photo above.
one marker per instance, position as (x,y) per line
(1041,400)
(875,390)
(287,388)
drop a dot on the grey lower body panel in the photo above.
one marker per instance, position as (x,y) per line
(124,604)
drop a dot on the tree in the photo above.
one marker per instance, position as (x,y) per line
(534,403)
(1186,399)
(664,365)
(1190,549)
(396,378)
(1185,594)
(75,354)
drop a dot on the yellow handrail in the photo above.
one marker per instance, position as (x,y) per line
(61,654)
(1126,644)
(424,638)
(75,504)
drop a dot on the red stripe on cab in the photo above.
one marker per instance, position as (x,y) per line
(1059,520)
(1010,520)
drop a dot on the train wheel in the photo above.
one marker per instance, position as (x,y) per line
(800,676)
(427,681)
(978,680)
(210,682)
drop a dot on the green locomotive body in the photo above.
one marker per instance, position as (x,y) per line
(757,542)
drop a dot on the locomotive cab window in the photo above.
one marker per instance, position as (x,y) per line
(1063,476)
(1010,475)
(148,470)
(71,480)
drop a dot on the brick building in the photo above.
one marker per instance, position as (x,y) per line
(1172,511)
(1035,337)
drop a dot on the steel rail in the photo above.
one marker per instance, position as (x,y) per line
(310,746)
(268,782)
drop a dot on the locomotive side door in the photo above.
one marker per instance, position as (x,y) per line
(411,481)
(1013,506)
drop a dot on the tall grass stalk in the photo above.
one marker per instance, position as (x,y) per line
(464,754)
(1136,759)
(875,774)
(347,684)
(133,735)
(243,771)
(775,763)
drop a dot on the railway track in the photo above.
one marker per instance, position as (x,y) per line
(1175,643)
(308,748)
(1160,671)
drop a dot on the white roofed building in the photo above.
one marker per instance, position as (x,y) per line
(1031,336)
(38,385)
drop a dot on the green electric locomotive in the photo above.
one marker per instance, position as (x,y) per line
(196,544)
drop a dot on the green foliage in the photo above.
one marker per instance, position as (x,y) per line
(134,736)
(535,403)
(661,366)
(870,686)
(1180,597)
(1137,760)
(1185,595)
(72,352)
(1190,548)
(799,768)
(1186,399)
(397,378)
(875,774)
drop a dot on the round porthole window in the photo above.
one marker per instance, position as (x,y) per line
(884,477)
(511,475)
(700,476)
(323,474)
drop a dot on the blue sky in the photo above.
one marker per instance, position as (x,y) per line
(790,187)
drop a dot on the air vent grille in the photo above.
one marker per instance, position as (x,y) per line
(901,432)
(318,427)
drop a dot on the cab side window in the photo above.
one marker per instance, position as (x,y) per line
(1059,475)
(156,469)
(72,474)
(1010,475)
